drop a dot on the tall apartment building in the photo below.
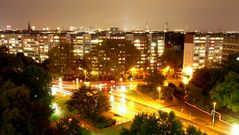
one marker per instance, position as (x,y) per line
(230,45)
(90,46)
(37,44)
(45,44)
(78,44)
(142,42)
(156,49)
(13,41)
(202,50)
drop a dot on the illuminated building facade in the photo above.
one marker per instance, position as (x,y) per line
(157,44)
(230,45)
(142,42)
(202,50)
(13,41)
(37,44)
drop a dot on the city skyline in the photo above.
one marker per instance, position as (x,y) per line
(204,15)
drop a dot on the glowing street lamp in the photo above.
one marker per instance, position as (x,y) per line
(77,83)
(85,74)
(70,119)
(213,113)
(56,109)
(121,79)
(185,81)
(188,71)
(123,89)
(235,130)
(60,82)
(159,90)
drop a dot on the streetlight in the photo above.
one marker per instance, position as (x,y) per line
(185,81)
(77,82)
(85,74)
(60,82)
(121,79)
(159,89)
(70,119)
(213,113)
(235,129)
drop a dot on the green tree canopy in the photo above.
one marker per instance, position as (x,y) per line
(15,110)
(88,102)
(68,126)
(231,63)
(206,78)
(161,123)
(172,57)
(61,60)
(155,79)
(116,56)
(28,95)
(226,93)
(191,130)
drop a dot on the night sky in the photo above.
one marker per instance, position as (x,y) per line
(190,15)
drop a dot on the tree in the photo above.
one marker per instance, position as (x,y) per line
(162,123)
(68,126)
(172,57)
(155,79)
(25,99)
(206,78)
(61,60)
(88,102)
(15,110)
(12,65)
(38,81)
(116,56)
(226,93)
(191,130)
(231,63)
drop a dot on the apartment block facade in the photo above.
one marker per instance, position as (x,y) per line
(202,49)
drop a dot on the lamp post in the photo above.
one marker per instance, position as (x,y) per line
(121,79)
(159,89)
(185,82)
(85,74)
(213,113)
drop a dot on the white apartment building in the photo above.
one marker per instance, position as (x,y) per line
(202,50)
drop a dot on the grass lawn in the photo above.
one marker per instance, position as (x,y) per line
(113,130)
(196,97)
(61,110)
(205,103)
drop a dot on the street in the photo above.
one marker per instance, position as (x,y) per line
(126,102)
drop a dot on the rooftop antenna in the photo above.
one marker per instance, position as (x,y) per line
(166,27)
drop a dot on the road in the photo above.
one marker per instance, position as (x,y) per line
(128,102)
(132,105)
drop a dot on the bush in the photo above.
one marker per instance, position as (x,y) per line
(145,88)
(171,85)
(179,92)
(100,121)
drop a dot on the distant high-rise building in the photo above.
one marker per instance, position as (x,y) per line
(142,42)
(230,45)
(202,50)
(156,49)
(29,27)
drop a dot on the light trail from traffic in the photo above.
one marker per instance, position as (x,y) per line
(127,105)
